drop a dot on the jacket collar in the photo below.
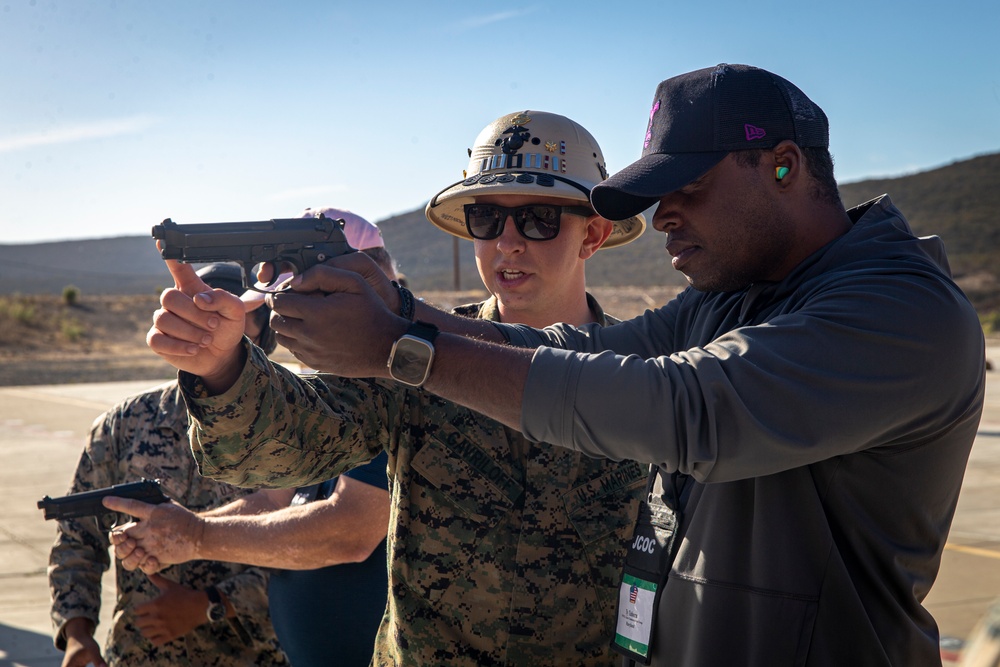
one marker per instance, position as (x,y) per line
(490,310)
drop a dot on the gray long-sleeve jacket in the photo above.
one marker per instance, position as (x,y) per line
(821,427)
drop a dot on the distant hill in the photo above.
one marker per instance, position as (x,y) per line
(957,202)
(121,265)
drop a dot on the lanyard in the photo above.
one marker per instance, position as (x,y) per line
(647,564)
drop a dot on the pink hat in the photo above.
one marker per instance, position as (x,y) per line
(360,233)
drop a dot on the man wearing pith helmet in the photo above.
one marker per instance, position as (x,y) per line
(502,551)
(552,533)
(525,203)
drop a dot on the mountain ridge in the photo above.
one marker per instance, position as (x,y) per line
(956,201)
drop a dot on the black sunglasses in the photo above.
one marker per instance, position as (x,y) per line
(537,222)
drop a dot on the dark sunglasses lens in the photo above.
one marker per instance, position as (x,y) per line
(483,221)
(538,222)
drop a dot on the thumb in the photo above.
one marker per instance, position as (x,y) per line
(226,304)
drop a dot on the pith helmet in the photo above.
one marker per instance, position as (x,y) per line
(529,153)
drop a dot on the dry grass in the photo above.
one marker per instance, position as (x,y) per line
(100,338)
(103,338)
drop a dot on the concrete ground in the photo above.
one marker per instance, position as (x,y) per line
(42,429)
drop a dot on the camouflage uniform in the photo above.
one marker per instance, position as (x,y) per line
(145,436)
(501,551)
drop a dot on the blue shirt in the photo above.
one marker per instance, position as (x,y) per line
(330,616)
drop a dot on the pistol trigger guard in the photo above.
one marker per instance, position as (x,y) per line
(102,522)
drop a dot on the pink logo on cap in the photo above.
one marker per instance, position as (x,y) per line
(754,132)
(649,128)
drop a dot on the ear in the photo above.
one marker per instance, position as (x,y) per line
(598,231)
(786,155)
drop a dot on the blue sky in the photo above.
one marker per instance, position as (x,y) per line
(117,114)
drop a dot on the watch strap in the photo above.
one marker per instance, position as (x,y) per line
(215,598)
(213,595)
(424,330)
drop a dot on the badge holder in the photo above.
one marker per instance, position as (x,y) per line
(647,563)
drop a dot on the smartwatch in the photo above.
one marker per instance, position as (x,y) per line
(412,355)
(216,608)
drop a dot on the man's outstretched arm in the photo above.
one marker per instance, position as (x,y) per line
(334,320)
(331,320)
(344,528)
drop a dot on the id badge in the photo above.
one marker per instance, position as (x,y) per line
(647,563)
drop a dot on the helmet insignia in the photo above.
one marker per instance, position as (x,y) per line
(518,135)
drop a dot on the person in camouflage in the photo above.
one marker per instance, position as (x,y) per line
(159,619)
(501,551)
(331,535)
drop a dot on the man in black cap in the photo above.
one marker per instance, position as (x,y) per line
(808,404)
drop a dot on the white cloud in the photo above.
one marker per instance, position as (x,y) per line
(481,21)
(81,132)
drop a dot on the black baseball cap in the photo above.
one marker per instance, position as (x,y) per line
(700,117)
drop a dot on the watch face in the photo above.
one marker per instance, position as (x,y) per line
(411,360)
(216,612)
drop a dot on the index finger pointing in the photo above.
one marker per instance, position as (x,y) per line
(130,506)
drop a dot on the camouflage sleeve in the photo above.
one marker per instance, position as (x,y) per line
(79,556)
(247,593)
(275,429)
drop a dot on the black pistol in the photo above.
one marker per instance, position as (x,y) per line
(88,503)
(298,242)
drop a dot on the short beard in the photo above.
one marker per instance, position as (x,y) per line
(773,235)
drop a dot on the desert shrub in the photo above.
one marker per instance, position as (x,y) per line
(19,309)
(71,329)
(70,295)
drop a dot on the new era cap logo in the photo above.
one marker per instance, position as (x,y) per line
(754,132)
(649,128)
